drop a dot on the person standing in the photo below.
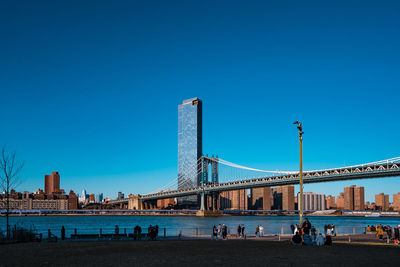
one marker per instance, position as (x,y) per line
(219,229)
(396,232)
(63,232)
(306,227)
(261,228)
(135,232)
(156,230)
(243,230)
(239,230)
(257,230)
(296,229)
(292,228)
(389,232)
(215,233)
(224,231)
(139,232)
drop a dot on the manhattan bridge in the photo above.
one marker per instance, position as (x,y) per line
(216,175)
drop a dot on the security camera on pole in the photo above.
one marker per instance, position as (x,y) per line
(300,200)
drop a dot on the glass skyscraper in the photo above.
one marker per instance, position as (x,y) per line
(189,146)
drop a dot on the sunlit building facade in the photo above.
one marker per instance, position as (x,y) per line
(189,146)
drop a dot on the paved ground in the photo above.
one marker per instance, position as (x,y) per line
(195,253)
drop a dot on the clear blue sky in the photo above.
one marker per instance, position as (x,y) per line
(91,88)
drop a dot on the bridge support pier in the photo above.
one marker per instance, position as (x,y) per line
(205,212)
(202,201)
(135,203)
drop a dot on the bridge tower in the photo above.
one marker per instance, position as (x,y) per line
(205,164)
(210,201)
(204,171)
(214,170)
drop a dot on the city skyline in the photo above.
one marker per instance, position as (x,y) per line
(99,105)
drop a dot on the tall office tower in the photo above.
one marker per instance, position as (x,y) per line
(312,201)
(330,202)
(359,198)
(382,201)
(340,201)
(288,197)
(189,146)
(349,198)
(261,198)
(52,183)
(396,201)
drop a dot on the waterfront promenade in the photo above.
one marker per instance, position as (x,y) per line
(249,252)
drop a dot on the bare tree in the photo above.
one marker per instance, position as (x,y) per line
(9,170)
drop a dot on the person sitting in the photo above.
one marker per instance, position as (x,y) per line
(313,233)
(307,240)
(368,229)
(328,240)
(320,241)
(379,232)
(296,239)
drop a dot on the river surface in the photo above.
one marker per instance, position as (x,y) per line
(189,225)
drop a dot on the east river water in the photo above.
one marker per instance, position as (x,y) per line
(188,225)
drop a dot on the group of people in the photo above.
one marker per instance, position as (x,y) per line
(306,235)
(391,233)
(152,232)
(240,231)
(259,230)
(220,231)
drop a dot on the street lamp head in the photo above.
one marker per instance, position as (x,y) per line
(296,122)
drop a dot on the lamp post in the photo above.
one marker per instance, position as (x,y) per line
(300,200)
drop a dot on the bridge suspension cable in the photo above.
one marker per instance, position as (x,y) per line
(234,172)
(227,163)
(175,182)
(380,162)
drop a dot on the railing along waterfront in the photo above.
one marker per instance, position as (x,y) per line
(164,232)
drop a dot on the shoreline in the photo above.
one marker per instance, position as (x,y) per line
(186,215)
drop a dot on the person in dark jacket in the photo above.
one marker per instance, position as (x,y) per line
(215,233)
(306,227)
(239,231)
(296,239)
(396,233)
(63,232)
(224,231)
(389,232)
